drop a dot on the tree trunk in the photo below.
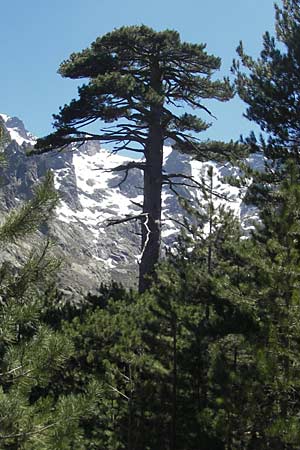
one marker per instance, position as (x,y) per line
(174,385)
(151,221)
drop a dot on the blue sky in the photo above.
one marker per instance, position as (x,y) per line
(36,36)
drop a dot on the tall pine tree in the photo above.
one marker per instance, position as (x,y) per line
(136,77)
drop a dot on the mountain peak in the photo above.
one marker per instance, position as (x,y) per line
(17,130)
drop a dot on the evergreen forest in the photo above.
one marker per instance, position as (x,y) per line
(204,354)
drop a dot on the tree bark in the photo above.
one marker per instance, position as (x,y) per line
(174,385)
(151,221)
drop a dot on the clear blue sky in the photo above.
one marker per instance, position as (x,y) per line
(37,35)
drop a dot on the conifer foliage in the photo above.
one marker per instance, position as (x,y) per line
(31,353)
(208,357)
(136,77)
(270,85)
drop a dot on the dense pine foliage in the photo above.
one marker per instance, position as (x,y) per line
(209,356)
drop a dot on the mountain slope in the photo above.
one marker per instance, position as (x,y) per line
(91,196)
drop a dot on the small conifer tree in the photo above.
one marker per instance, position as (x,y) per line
(31,353)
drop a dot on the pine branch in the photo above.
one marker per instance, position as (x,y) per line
(32,214)
(27,433)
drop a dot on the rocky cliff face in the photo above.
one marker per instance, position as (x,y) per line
(91,195)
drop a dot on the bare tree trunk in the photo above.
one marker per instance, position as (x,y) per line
(151,221)
(174,386)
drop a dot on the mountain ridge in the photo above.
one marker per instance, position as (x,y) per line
(92,195)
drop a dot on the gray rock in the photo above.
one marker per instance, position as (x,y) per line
(91,251)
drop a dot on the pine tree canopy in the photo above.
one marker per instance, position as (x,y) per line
(130,71)
(271,85)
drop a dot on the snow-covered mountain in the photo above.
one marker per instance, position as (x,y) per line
(92,195)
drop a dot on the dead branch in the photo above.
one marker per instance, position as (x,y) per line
(136,204)
(119,392)
(126,167)
(130,165)
(196,184)
(111,222)
(182,224)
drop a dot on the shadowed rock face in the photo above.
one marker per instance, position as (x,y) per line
(91,195)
